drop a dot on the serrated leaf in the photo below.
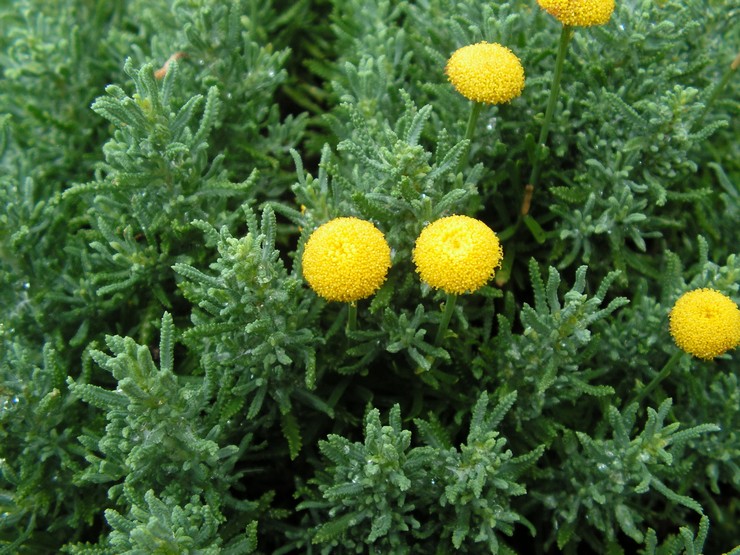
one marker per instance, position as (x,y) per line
(572,195)
(565,534)
(449,162)
(98,396)
(626,110)
(626,522)
(167,344)
(433,432)
(496,416)
(675,497)
(373,208)
(459,535)
(453,198)
(477,417)
(292,433)
(538,286)
(210,114)
(381,525)
(334,529)
(417,125)
(195,275)
(268,229)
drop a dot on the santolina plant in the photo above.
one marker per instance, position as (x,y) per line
(255,300)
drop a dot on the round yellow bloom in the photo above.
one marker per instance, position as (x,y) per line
(486,72)
(583,13)
(705,323)
(346,259)
(457,254)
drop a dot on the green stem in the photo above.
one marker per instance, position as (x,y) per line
(475,111)
(446,316)
(552,102)
(659,377)
(352,316)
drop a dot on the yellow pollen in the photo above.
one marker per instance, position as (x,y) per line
(346,259)
(486,72)
(583,13)
(457,254)
(705,323)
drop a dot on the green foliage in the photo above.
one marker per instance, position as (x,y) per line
(375,492)
(158,439)
(603,479)
(162,526)
(158,177)
(478,481)
(239,47)
(683,543)
(555,358)
(252,327)
(39,451)
(372,482)
(170,384)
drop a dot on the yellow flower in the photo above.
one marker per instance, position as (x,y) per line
(486,72)
(457,254)
(583,13)
(705,323)
(346,259)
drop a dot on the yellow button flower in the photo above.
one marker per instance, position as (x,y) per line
(705,323)
(457,254)
(346,259)
(583,13)
(486,72)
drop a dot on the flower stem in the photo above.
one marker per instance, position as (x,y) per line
(475,111)
(659,377)
(565,36)
(446,316)
(352,316)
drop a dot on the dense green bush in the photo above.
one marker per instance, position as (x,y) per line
(169,382)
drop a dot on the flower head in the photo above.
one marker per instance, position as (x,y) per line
(346,259)
(583,13)
(705,323)
(457,254)
(486,72)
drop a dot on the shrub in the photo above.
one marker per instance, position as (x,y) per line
(170,381)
